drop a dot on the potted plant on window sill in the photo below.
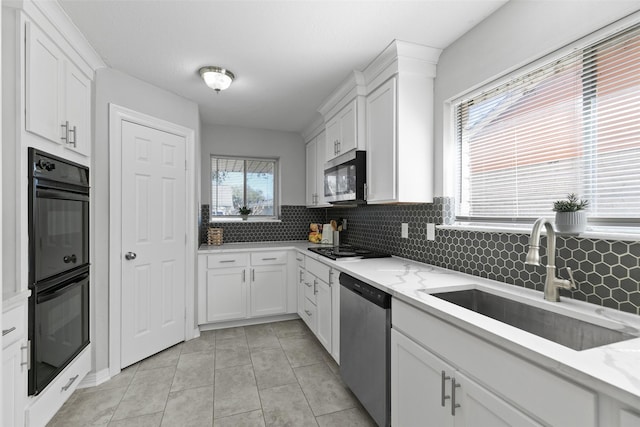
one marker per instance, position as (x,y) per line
(570,215)
(244,212)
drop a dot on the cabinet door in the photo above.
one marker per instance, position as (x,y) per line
(417,385)
(321,142)
(324,314)
(480,407)
(43,85)
(348,128)
(335,314)
(381,144)
(300,287)
(226,294)
(14,390)
(268,290)
(332,138)
(311,173)
(77,109)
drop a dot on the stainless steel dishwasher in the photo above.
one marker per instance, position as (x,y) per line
(365,345)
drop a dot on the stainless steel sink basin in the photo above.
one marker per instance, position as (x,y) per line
(573,333)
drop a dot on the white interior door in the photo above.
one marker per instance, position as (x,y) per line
(153,241)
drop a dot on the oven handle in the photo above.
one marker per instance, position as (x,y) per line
(47,296)
(63,195)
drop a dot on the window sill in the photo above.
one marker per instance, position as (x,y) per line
(592,232)
(223,220)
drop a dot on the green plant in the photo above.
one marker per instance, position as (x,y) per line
(571,204)
(244,210)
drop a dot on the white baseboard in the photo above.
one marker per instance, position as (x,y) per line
(93,379)
(246,322)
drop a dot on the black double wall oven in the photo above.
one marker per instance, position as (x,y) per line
(58,265)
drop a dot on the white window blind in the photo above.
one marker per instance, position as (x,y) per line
(237,182)
(571,126)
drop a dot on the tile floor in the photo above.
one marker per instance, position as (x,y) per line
(275,374)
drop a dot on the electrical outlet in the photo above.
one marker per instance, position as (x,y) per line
(405,230)
(431,231)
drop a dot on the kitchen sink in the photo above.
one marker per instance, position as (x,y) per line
(567,331)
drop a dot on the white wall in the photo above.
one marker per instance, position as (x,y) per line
(515,35)
(237,141)
(112,86)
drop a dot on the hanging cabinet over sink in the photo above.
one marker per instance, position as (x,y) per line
(399,124)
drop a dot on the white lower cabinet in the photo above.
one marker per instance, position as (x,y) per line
(242,285)
(425,390)
(268,290)
(226,295)
(319,303)
(14,384)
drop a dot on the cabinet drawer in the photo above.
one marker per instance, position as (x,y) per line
(310,289)
(300,259)
(318,269)
(558,402)
(268,258)
(49,401)
(14,324)
(227,260)
(309,314)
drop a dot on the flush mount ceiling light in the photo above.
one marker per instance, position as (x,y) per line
(217,78)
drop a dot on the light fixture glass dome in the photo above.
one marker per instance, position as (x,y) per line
(217,78)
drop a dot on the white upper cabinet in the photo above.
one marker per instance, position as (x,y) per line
(342,131)
(343,112)
(399,124)
(57,94)
(315,172)
(43,85)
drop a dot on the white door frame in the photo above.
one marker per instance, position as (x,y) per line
(117,115)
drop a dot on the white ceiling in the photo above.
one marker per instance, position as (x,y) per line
(287,56)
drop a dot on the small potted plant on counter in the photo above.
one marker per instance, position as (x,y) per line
(570,215)
(244,212)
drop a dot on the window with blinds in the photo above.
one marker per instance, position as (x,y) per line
(237,182)
(571,126)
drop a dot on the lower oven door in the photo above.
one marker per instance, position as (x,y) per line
(59,328)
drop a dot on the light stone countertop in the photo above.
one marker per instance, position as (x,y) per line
(612,369)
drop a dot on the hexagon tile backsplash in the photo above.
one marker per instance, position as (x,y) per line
(607,272)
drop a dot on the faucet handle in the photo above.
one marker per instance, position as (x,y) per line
(572,282)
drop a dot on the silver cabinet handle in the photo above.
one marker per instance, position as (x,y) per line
(244,276)
(308,284)
(8,331)
(443,396)
(299,259)
(73,131)
(269,259)
(301,276)
(253,274)
(224,261)
(339,147)
(130,256)
(454,405)
(65,137)
(308,313)
(315,286)
(330,277)
(71,381)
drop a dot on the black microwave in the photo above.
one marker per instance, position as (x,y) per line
(346,182)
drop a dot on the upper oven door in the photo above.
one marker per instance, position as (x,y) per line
(60,232)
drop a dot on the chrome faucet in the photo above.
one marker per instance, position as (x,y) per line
(552,284)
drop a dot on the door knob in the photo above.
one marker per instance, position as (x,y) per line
(130,255)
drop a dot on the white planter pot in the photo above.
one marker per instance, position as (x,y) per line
(571,222)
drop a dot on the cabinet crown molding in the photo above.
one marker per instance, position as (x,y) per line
(56,17)
(350,87)
(401,56)
(313,129)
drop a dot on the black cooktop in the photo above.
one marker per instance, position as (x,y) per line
(347,251)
